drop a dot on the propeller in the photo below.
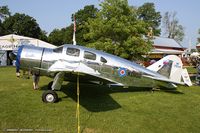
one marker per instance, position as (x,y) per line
(13,55)
(16,55)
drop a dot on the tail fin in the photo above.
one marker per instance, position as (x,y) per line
(171,67)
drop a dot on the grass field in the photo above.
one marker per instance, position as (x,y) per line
(102,110)
(191,69)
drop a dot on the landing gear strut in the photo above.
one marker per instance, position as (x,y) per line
(50,85)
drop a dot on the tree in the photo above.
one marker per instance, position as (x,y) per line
(1,29)
(4,12)
(117,30)
(64,35)
(68,35)
(43,36)
(82,16)
(147,13)
(22,24)
(172,27)
(56,37)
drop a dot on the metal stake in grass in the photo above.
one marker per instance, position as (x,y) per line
(78,105)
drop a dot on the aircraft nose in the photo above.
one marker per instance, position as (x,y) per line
(12,55)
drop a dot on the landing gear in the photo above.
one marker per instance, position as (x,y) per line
(50,85)
(49,96)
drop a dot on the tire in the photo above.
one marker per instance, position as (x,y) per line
(49,96)
(50,85)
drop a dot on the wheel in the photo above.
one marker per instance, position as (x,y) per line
(49,96)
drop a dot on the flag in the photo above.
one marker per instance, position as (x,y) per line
(74,23)
(74,39)
(74,34)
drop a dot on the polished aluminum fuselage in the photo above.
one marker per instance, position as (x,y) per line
(41,60)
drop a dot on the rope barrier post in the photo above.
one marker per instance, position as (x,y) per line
(78,105)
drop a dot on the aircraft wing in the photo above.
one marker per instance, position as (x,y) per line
(87,74)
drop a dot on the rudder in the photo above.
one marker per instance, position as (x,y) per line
(170,66)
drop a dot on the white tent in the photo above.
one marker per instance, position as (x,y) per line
(12,42)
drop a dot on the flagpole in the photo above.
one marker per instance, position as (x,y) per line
(74,34)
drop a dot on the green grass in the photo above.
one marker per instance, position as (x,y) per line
(102,110)
(191,70)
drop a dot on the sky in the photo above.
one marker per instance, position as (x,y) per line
(51,14)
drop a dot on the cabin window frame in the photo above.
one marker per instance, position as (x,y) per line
(91,56)
(103,60)
(58,50)
(75,52)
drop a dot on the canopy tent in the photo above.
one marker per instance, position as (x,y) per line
(11,42)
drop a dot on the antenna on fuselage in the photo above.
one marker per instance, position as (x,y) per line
(74,34)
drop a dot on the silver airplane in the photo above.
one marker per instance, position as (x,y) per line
(65,62)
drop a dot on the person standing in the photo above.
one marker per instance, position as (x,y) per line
(36,78)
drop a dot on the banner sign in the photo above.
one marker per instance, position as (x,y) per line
(12,44)
(9,47)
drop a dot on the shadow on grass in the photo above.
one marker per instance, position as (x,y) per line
(173,91)
(92,97)
(170,90)
(96,98)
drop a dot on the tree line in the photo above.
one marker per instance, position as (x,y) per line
(116,27)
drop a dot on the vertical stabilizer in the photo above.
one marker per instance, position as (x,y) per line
(171,67)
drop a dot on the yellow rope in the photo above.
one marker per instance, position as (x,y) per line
(78,105)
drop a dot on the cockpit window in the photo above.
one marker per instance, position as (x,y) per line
(58,50)
(89,55)
(103,60)
(73,52)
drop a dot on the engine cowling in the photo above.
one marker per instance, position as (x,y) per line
(29,57)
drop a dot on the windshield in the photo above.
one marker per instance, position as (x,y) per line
(58,50)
